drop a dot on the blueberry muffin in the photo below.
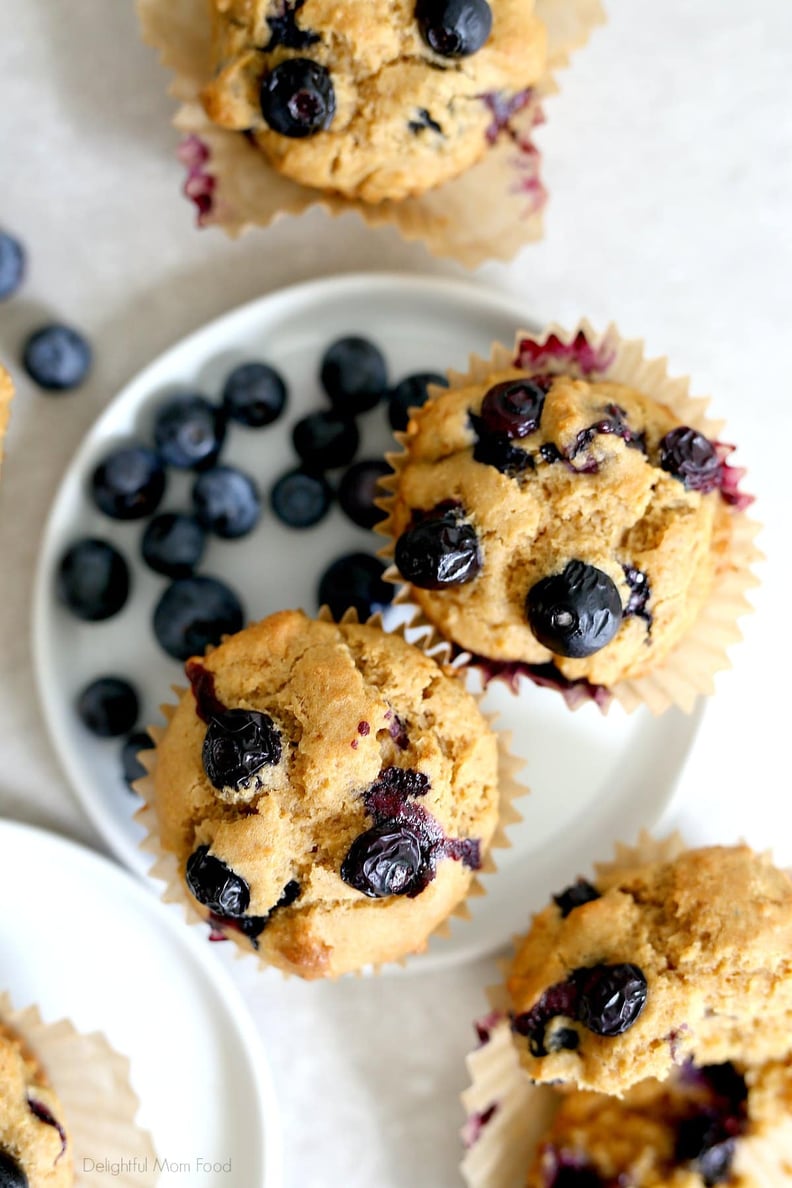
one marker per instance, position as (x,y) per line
(34,1145)
(328,792)
(374,101)
(6,395)
(692,1131)
(562,525)
(655,965)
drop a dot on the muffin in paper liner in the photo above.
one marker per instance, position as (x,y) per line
(687,672)
(91,1081)
(508,1115)
(234,187)
(166,865)
(6,396)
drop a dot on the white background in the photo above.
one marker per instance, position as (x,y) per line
(669,161)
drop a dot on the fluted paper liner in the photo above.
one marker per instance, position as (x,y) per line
(166,866)
(490,211)
(6,396)
(99,1106)
(689,669)
(508,1115)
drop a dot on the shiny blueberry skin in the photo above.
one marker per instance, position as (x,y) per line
(576,612)
(411,392)
(237,744)
(11,1174)
(575,1177)
(326,440)
(354,374)
(131,767)
(575,896)
(300,499)
(692,458)
(439,550)
(454,28)
(193,614)
(387,859)
(226,502)
(129,483)
(108,707)
(12,265)
(93,580)
(610,997)
(173,544)
(215,885)
(358,489)
(498,450)
(254,395)
(189,432)
(57,358)
(355,580)
(513,408)
(297,98)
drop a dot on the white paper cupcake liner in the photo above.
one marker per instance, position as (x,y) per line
(6,396)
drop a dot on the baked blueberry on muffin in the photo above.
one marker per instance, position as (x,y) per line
(686,959)
(328,792)
(34,1145)
(374,101)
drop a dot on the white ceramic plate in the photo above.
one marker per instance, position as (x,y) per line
(89,943)
(594,779)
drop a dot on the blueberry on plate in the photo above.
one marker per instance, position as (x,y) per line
(195,613)
(173,544)
(189,432)
(411,392)
(301,499)
(254,395)
(215,885)
(226,502)
(131,767)
(355,580)
(354,374)
(576,612)
(387,859)
(297,98)
(108,707)
(454,28)
(57,358)
(129,483)
(358,489)
(325,440)
(93,580)
(11,1174)
(438,550)
(12,265)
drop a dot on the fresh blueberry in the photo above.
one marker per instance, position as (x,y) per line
(189,432)
(12,265)
(575,896)
(11,1174)
(195,613)
(387,860)
(610,997)
(227,502)
(355,580)
(325,440)
(439,549)
(131,767)
(354,374)
(301,499)
(513,408)
(129,483)
(93,580)
(358,489)
(576,612)
(215,885)
(108,707)
(254,395)
(454,28)
(412,392)
(173,543)
(237,744)
(297,98)
(57,358)
(692,458)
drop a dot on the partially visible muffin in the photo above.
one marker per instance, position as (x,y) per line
(35,1150)
(328,791)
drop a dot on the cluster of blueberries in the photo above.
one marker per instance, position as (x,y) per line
(195,610)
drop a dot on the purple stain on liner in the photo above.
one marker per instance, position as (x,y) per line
(475,1124)
(558,356)
(40,1111)
(199,185)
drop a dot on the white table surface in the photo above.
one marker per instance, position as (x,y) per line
(669,159)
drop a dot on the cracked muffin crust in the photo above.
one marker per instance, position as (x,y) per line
(655,965)
(375,101)
(328,791)
(34,1146)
